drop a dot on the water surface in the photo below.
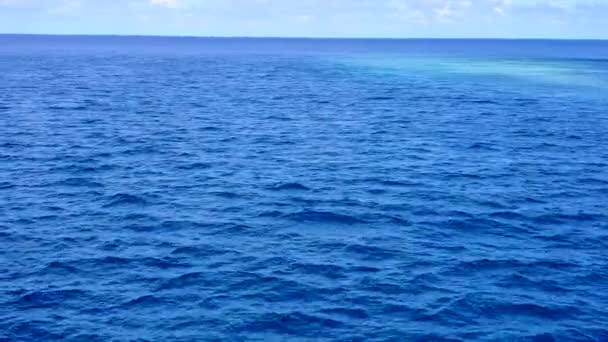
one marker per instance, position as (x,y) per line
(187,189)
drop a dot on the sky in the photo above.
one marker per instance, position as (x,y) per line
(311,18)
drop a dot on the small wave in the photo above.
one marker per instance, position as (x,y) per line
(533,200)
(493,308)
(505,264)
(67,107)
(290,186)
(547,219)
(6,185)
(461,175)
(79,169)
(435,338)
(363,269)
(468,310)
(195,166)
(347,312)
(30,330)
(182,225)
(140,150)
(526,101)
(593,277)
(425,278)
(57,267)
(79,182)
(329,271)
(46,299)
(278,118)
(111,260)
(376,191)
(24,221)
(394,183)
(321,216)
(199,251)
(124,199)
(556,219)
(379,98)
(482,101)
(518,281)
(145,301)
(163,263)
(226,194)
(137,217)
(294,323)
(13,145)
(510,215)
(368,252)
(274,213)
(483,147)
(595,181)
(581,217)
(210,128)
(475,224)
(393,308)
(398,220)
(440,245)
(187,280)
(46,217)
(458,213)
(236,229)
(275,289)
(377,286)
(425,212)
(139,228)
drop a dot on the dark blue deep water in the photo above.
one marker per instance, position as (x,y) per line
(182,189)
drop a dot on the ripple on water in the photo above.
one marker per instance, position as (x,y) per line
(124,200)
(49,299)
(322,217)
(289,186)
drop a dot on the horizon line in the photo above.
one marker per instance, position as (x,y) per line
(292,37)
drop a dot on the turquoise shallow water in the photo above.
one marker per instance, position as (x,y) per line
(190,189)
(552,72)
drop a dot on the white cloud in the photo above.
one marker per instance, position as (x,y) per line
(443,10)
(167,3)
(310,17)
(66,7)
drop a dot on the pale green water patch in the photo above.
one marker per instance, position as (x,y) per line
(550,72)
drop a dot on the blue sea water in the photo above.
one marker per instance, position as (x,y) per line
(200,189)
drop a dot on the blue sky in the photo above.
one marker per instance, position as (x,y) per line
(311,18)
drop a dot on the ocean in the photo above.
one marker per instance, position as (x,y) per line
(240,189)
